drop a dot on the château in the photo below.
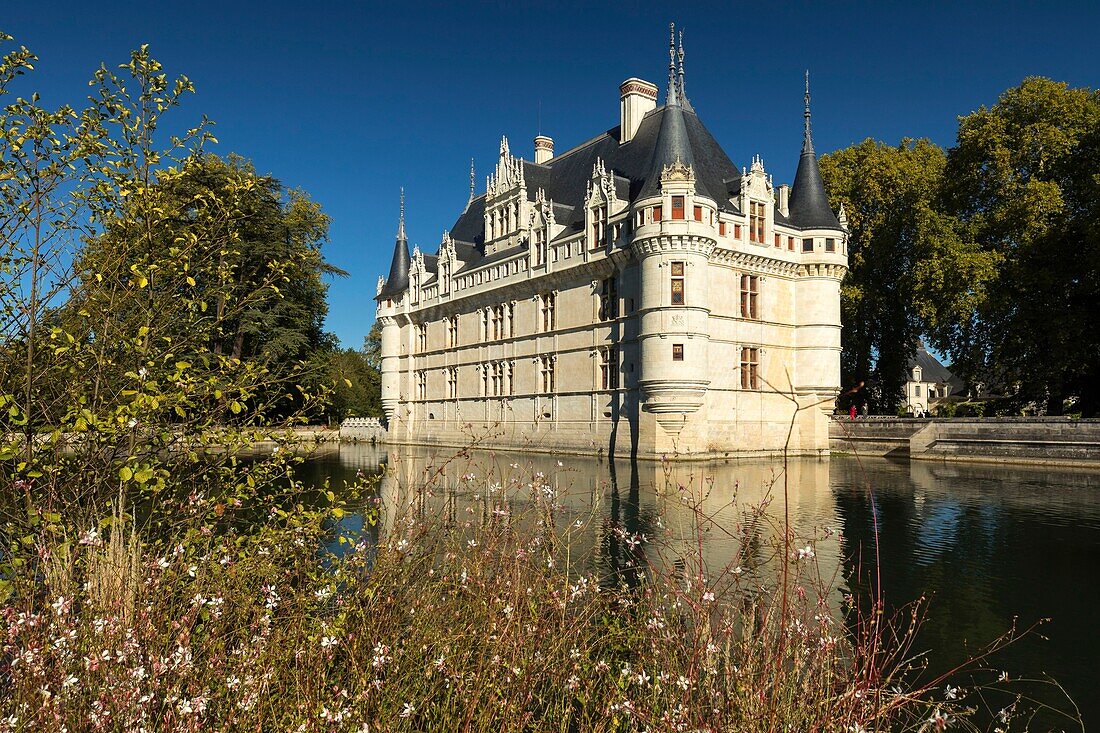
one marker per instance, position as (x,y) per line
(636,295)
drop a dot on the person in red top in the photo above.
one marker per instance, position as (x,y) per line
(852,412)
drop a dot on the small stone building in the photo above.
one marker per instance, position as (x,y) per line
(638,294)
(929,382)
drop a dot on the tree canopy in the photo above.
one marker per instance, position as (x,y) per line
(990,250)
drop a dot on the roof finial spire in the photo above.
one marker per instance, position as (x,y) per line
(680,55)
(673,92)
(401,222)
(807,142)
(471,182)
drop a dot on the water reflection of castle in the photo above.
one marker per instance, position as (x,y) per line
(618,501)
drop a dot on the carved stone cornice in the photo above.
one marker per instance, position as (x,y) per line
(755,262)
(691,243)
(821,269)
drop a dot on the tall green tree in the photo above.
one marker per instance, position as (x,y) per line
(1023,178)
(912,269)
(357,386)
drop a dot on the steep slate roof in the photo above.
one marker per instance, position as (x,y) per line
(565,178)
(398,280)
(933,371)
(809,204)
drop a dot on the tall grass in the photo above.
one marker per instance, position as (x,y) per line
(487,608)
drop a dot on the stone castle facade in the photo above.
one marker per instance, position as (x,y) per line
(638,295)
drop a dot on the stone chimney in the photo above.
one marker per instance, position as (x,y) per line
(636,98)
(544,149)
(783,200)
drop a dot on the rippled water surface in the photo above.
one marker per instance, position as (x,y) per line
(986,543)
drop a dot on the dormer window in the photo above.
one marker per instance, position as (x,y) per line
(757,219)
(677,207)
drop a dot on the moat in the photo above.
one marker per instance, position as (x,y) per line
(986,544)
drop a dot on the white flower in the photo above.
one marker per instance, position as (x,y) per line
(951,692)
(327,641)
(68,681)
(708,596)
(805,553)
(408,710)
(91,537)
(939,720)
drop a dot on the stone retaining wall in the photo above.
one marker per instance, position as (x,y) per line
(1051,440)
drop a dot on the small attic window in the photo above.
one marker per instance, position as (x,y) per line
(677,207)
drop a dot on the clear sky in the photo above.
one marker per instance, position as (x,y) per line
(350,101)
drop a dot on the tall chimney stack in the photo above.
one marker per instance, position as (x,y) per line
(544,149)
(636,98)
(783,204)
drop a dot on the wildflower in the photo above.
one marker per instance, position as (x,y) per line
(471,543)
(573,683)
(738,570)
(805,553)
(514,465)
(951,692)
(131,423)
(602,666)
(91,537)
(328,641)
(508,610)
(408,710)
(643,678)
(708,597)
(939,720)
(68,682)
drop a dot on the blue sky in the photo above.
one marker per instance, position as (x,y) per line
(350,101)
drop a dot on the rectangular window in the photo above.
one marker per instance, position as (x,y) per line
(757,220)
(452,383)
(497,373)
(510,377)
(452,331)
(790,243)
(421,385)
(916,390)
(778,240)
(609,367)
(736,231)
(678,283)
(807,245)
(698,213)
(609,299)
(749,288)
(422,337)
(546,312)
(750,365)
(677,207)
(656,213)
(830,245)
(484,369)
(546,368)
(677,352)
(721,229)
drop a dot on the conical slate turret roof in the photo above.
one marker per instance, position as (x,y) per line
(673,144)
(809,204)
(398,281)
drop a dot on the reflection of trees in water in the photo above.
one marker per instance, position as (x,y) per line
(984,558)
